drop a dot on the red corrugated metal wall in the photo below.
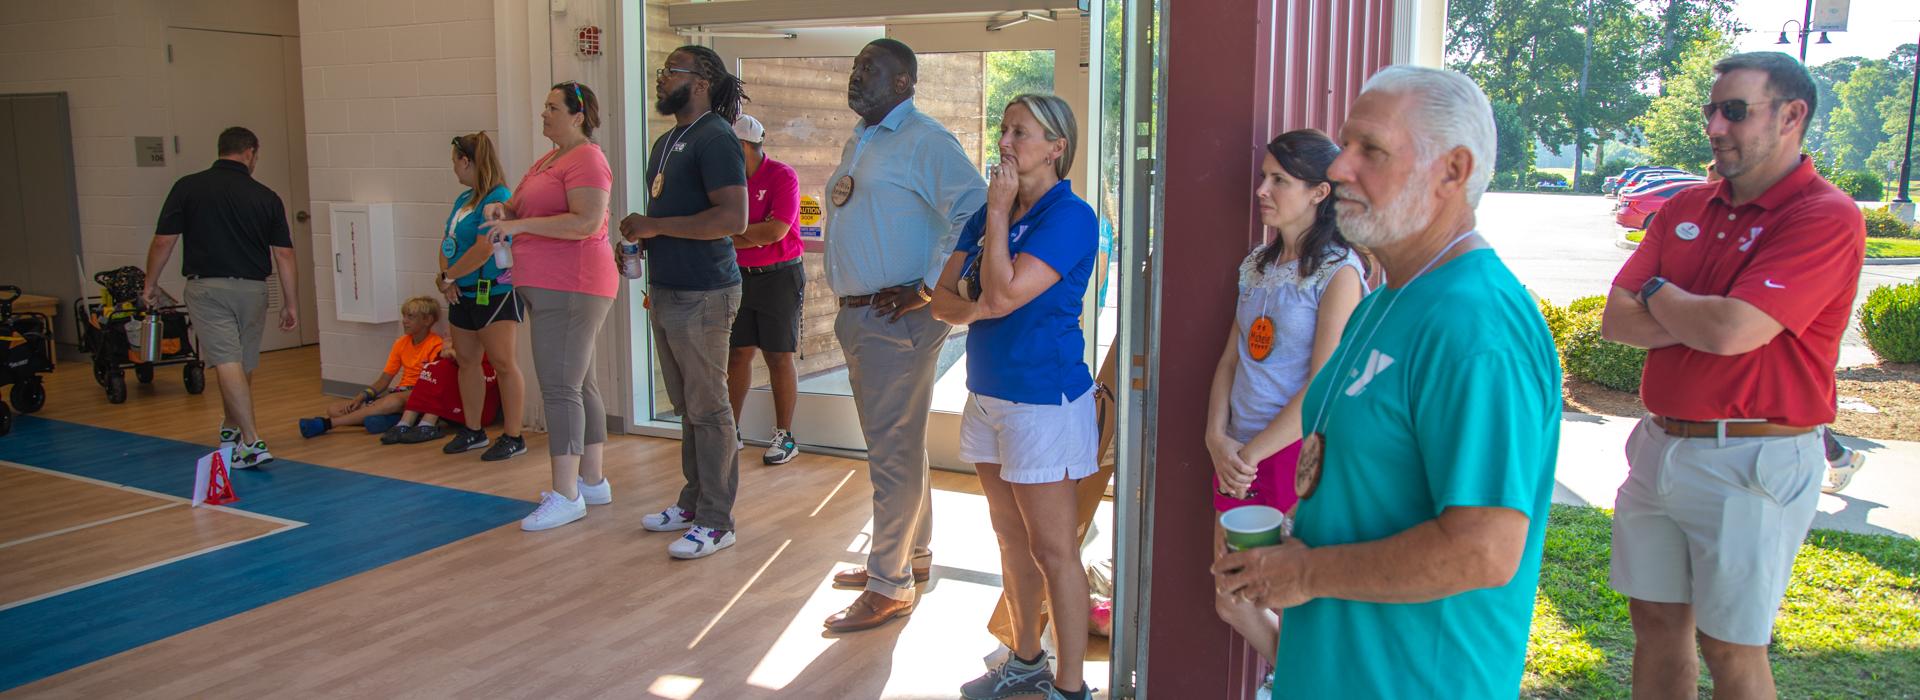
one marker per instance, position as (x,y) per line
(1238,73)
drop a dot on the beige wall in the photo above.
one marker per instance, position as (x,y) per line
(803,103)
(388,85)
(110,58)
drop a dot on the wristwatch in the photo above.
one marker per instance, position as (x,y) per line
(1652,285)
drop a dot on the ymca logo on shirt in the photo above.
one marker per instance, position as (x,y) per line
(1377,362)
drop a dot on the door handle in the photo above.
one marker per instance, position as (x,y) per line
(336,264)
(301,216)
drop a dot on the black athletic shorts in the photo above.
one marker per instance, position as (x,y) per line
(770,304)
(471,315)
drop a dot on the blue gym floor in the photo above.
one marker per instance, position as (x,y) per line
(351,523)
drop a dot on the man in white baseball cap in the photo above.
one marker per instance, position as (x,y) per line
(773,283)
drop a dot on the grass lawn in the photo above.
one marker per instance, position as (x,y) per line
(1849,628)
(1893,248)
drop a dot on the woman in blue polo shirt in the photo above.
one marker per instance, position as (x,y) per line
(1016,279)
(483,308)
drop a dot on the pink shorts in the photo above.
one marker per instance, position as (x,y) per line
(1272,483)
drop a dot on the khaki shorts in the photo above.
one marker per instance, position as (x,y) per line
(1715,524)
(229,316)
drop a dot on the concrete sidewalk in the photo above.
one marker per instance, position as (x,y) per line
(1884,498)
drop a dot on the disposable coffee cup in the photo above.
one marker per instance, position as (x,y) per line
(1248,527)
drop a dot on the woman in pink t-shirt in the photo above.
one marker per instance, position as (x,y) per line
(564,270)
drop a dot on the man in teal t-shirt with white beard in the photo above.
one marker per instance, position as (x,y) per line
(1432,430)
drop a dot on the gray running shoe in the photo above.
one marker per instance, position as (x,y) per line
(1011,678)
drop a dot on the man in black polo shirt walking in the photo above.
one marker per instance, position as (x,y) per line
(236,231)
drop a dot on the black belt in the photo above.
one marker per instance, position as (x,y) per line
(784,264)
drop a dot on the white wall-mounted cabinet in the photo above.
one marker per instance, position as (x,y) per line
(363,263)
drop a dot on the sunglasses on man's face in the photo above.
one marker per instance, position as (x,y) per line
(1734,110)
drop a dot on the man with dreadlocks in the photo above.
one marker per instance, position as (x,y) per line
(897,202)
(697,182)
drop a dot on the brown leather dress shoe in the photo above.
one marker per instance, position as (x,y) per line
(868,611)
(856,577)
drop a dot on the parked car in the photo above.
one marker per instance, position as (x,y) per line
(1550,186)
(1654,183)
(1611,185)
(1627,181)
(1637,210)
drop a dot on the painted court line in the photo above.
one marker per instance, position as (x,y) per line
(154,565)
(77,528)
(154,494)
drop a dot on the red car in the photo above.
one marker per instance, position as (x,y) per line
(1636,210)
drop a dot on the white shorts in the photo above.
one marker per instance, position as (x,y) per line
(1032,443)
(1715,524)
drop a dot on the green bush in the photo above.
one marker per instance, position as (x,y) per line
(1586,355)
(1536,177)
(1890,321)
(1882,223)
(1862,186)
(1584,304)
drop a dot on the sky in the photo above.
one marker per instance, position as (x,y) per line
(1874,28)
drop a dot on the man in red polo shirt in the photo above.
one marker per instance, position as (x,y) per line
(1741,292)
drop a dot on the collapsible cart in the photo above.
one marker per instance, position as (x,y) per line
(122,331)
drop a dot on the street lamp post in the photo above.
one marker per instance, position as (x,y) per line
(1805,21)
(1902,204)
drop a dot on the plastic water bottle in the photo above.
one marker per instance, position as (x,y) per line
(503,254)
(630,260)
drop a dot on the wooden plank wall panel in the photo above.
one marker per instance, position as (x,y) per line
(803,103)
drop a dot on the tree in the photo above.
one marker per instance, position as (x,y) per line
(1826,77)
(1529,53)
(1009,75)
(1674,129)
(1514,156)
(1855,127)
(1682,24)
(1893,110)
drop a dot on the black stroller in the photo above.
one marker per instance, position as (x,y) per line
(121,331)
(26,350)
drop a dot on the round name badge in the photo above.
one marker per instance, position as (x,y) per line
(1260,339)
(1687,231)
(843,190)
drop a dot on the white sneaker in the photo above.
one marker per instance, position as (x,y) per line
(596,494)
(667,520)
(229,437)
(738,443)
(1840,473)
(782,450)
(553,512)
(251,456)
(700,542)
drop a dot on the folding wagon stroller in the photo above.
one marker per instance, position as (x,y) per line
(26,350)
(122,331)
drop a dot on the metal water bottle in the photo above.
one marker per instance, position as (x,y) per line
(503,254)
(631,256)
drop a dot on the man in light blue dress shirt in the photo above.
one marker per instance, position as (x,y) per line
(895,206)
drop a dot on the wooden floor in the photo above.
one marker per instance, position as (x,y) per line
(593,609)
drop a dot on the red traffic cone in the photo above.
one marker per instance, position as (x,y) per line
(212,484)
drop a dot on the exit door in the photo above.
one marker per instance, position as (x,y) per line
(223,79)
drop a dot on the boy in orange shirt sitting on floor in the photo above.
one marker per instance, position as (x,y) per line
(387,395)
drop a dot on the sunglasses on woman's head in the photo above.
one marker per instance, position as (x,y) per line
(1735,111)
(460,145)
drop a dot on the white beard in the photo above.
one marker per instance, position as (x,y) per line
(1376,226)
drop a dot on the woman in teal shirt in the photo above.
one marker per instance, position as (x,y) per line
(483,310)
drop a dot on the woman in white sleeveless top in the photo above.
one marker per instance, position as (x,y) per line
(1296,293)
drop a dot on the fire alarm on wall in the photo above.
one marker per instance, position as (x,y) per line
(587,41)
